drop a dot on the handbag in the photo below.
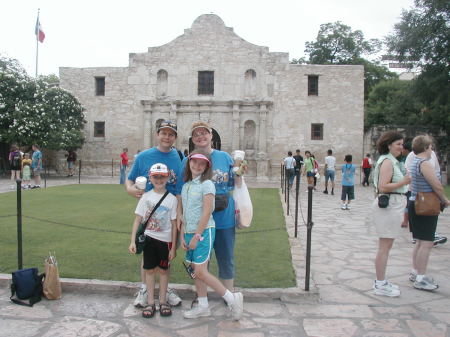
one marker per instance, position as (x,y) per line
(220,202)
(52,285)
(427,203)
(383,200)
(139,239)
(26,284)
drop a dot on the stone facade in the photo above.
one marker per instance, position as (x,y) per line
(260,102)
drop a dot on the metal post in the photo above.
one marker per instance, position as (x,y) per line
(112,167)
(308,237)
(79,171)
(282,178)
(45,176)
(285,184)
(288,192)
(297,188)
(19,224)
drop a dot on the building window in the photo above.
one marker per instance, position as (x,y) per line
(99,86)
(313,85)
(206,82)
(316,131)
(99,129)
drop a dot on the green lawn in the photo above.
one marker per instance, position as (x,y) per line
(447,191)
(89,228)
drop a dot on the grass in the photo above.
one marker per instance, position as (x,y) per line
(89,228)
(447,191)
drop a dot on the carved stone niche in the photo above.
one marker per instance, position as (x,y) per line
(249,135)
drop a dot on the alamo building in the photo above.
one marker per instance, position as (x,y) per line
(254,99)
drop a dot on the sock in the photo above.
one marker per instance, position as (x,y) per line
(419,278)
(203,301)
(380,283)
(143,287)
(228,297)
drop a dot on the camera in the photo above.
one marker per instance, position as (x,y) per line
(383,200)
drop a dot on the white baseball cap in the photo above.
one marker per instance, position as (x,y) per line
(159,169)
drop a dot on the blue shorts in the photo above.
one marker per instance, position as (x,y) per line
(329,175)
(224,250)
(202,252)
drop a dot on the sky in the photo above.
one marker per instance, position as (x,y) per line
(100,33)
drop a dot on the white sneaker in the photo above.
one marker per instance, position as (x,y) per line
(141,299)
(173,298)
(392,285)
(238,306)
(197,311)
(386,289)
(347,207)
(427,283)
(344,207)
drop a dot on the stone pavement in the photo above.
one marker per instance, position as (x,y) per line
(340,302)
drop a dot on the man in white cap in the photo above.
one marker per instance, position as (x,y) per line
(162,153)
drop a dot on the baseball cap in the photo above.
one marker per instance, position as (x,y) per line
(159,169)
(198,125)
(167,124)
(200,156)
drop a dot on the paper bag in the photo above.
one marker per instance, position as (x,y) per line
(52,284)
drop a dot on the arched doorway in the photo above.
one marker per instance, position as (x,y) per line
(215,143)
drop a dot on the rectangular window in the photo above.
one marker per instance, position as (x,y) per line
(316,131)
(99,129)
(313,85)
(99,86)
(206,82)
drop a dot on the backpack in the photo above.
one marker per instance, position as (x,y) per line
(15,160)
(26,284)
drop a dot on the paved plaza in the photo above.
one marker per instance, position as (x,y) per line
(339,303)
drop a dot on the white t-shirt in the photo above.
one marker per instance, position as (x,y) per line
(159,226)
(331,162)
(289,162)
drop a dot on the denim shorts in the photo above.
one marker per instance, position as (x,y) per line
(224,250)
(201,253)
(329,175)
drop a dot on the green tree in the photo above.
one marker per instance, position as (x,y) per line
(37,111)
(423,35)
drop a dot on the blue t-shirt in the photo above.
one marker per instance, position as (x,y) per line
(223,179)
(348,174)
(147,158)
(192,197)
(37,155)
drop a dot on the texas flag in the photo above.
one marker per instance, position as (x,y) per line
(40,35)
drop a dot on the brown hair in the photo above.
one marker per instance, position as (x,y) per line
(421,143)
(206,175)
(386,139)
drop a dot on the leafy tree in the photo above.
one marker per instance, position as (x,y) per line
(37,111)
(336,43)
(423,35)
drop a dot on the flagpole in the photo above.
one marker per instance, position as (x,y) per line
(37,42)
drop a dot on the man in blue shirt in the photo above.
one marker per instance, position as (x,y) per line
(36,165)
(164,153)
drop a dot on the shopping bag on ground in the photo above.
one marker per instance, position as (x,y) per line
(52,284)
(243,205)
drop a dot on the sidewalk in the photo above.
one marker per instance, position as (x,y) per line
(340,302)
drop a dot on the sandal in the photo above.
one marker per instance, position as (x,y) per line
(165,310)
(149,311)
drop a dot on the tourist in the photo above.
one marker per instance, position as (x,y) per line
(348,182)
(123,165)
(289,164)
(160,237)
(71,159)
(367,167)
(15,161)
(26,171)
(423,227)
(166,135)
(198,233)
(330,171)
(309,168)
(391,183)
(224,180)
(36,165)
(298,165)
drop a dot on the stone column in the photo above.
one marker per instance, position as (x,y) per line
(262,164)
(235,134)
(148,125)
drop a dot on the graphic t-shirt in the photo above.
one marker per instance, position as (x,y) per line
(223,179)
(159,226)
(147,158)
(348,174)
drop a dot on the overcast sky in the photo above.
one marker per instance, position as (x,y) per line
(98,33)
